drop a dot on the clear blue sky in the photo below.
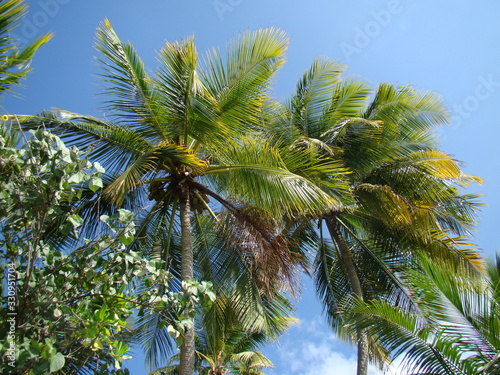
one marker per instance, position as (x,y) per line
(451,47)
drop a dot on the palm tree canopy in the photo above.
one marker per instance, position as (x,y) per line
(404,192)
(170,124)
(191,131)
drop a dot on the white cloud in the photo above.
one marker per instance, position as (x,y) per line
(311,348)
(318,358)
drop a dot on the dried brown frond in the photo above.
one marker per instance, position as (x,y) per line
(264,249)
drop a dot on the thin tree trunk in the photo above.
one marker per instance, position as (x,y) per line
(187,350)
(355,284)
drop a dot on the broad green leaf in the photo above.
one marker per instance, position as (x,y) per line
(95,183)
(76,220)
(57,362)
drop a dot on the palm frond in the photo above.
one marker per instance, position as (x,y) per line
(313,94)
(342,131)
(416,111)
(457,252)
(240,82)
(164,157)
(154,339)
(348,100)
(440,165)
(264,250)
(404,333)
(189,109)
(257,173)
(14,60)
(383,202)
(450,333)
(128,86)
(112,145)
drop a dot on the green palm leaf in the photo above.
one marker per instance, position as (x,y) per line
(112,144)
(188,108)
(240,82)
(312,95)
(255,170)
(131,95)
(15,61)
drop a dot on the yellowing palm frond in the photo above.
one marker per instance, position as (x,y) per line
(440,165)
(382,202)
(457,252)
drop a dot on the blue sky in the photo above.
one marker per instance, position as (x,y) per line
(451,47)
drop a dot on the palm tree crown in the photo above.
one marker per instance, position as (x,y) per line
(182,149)
(404,193)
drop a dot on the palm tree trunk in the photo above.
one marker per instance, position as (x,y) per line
(187,350)
(355,284)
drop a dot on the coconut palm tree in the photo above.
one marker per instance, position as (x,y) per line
(181,148)
(403,191)
(238,359)
(224,346)
(237,356)
(456,329)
